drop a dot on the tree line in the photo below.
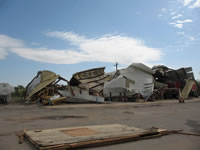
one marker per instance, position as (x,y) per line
(19,91)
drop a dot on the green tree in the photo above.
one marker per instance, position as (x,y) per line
(19,91)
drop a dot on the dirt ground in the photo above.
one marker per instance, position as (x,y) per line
(163,114)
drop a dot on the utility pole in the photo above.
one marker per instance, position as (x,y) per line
(116,65)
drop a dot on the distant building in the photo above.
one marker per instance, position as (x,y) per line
(5,92)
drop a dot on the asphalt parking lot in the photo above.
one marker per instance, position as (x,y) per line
(163,114)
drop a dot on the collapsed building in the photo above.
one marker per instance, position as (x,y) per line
(85,86)
(88,85)
(44,88)
(171,83)
(128,84)
(5,92)
(132,81)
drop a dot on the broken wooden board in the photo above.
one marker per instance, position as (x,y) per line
(89,136)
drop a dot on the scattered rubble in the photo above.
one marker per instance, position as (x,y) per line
(137,81)
(88,85)
(170,83)
(44,88)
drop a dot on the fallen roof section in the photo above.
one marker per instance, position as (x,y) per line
(90,136)
(92,80)
(87,74)
(85,86)
(40,81)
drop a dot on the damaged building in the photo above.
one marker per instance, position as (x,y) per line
(88,85)
(44,88)
(85,86)
(171,83)
(5,92)
(137,81)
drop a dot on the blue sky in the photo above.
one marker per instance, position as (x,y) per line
(68,36)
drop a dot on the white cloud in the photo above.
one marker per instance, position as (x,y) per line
(181,33)
(177,16)
(191,38)
(69,36)
(6,42)
(179,23)
(196,4)
(179,26)
(112,48)
(173,13)
(107,48)
(164,10)
(51,55)
(184,21)
(187,2)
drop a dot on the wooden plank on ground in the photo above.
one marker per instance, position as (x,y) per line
(88,136)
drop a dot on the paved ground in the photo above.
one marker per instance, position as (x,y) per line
(164,114)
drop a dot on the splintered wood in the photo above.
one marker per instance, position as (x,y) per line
(89,136)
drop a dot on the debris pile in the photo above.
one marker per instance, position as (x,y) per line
(137,81)
(85,86)
(131,82)
(88,85)
(170,83)
(44,89)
